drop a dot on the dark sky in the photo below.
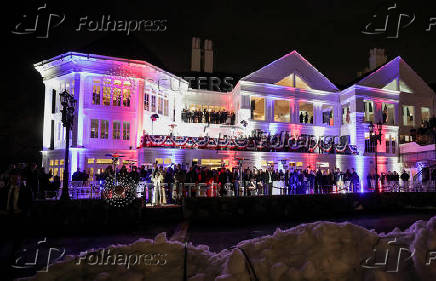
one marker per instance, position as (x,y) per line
(246,36)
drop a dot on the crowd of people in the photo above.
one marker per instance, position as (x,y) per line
(305,118)
(170,184)
(252,181)
(21,185)
(208,116)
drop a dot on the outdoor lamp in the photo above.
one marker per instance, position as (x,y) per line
(68,107)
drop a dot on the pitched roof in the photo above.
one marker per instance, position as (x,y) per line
(396,68)
(291,63)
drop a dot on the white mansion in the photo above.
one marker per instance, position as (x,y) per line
(300,118)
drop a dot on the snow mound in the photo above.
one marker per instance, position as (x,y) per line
(315,251)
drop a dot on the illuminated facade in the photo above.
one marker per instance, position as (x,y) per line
(117,97)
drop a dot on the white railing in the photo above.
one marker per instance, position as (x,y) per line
(93,189)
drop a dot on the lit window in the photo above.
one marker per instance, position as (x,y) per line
(116,96)
(94,129)
(392,85)
(388,113)
(153,104)
(257,108)
(103,161)
(368,110)
(408,115)
(281,111)
(116,130)
(369,145)
(91,160)
(346,118)
(106,92)
(56,162)
(159,105)
(96,92)
(146,102)
(126,130)
(305,114)
(294,81)
(166,111)
(61,162)
(104,129)
(404,88)
(51,162)
(299,83)
(126,97)
(425,114)
(327,115)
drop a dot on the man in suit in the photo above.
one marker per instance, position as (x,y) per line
(268,179)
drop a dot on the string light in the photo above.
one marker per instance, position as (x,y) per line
(119,191)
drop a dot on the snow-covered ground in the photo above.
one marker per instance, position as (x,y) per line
(315,251)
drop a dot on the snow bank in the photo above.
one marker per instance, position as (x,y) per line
(315,251)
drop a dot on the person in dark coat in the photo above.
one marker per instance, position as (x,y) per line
(180,178)
(286,178)
(77,175)
(318,181)
(405,178)
(44,182)
(31,178)
(236,178)
(355,180)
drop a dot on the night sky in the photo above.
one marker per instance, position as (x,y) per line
(246,37)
